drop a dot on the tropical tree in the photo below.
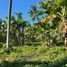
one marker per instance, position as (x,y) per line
(2,31)
(17,27)
(32,12)
(8,24)
(55,14)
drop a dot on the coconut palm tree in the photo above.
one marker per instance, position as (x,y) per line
(8,25)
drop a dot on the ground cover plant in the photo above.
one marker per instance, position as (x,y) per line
(34,56)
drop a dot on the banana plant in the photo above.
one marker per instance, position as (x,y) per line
(17,27)
(55,13)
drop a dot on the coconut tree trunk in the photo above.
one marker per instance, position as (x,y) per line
(22,36)
(8,25)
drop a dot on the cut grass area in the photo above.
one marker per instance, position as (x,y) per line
(33,56)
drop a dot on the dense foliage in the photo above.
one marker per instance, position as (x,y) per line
(51,17)
(40,44)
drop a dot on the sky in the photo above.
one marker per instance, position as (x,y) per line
(18,6)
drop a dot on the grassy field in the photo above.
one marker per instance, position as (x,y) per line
(33,56)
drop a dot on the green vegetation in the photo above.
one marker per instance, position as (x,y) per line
(41,44)
(33,56)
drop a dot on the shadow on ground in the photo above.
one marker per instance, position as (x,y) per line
(33,64)
(23,64)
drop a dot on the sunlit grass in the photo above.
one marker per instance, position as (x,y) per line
(22,54)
